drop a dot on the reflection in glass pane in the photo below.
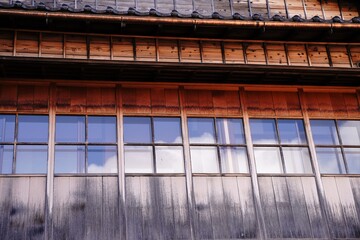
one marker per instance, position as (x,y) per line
(330,160)
(291,131)
(297,160)
(70,129)
(349,132)
(169,159)
(31,159)
(102,159)
(268,160)
(101,129)
(138,159)
(201,130)
(137,130)
(324,132)
(352,156)
(234,160)
(167,130)
(70,159)
(230,131)
(263,131)
(33,128)
(7,128)
(204,160)
(6,158)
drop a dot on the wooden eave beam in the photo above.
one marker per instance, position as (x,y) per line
(176,21)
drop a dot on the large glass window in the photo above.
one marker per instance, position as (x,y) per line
(23,144)
(85,144)
(153,145)
(217,145)
(337,145)
(280,146)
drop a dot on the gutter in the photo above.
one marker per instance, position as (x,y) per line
(176,21)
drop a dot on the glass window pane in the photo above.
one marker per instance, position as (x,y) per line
(70,159)
(102,159)
(167,130)
(324,132)
(349,132)
(169,159)
(138,159)
(297,160)
(204,160)
(201,130)
(352,156)
(70,129)
(291,131)
(102,129)
(31,159)
(230,131)
(6,158)
(268,160)
(7,128)
(137,130)
(330,160)
(234,160)
(33,128)
(263,131)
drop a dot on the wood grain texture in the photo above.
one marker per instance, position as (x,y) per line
(190,51)
(330,105)
(27,44)
(225,208)
(255,53)
(33,98)
(6,43)
(318,55)
(297,55)
(212,52)
(276,54)
(86,208)
(8,97)
(122,49)
(339,56)
(22,206)
(156,208)
(313,8)
(331,8)
(233,53)
(212,102)
(52,45)
(295,7)
(168,50)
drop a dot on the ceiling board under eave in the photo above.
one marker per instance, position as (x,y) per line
(31,68)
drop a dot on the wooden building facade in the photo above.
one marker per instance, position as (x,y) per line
(179,119)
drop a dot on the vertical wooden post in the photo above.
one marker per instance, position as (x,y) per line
(287,54)
(329,55)
(268,9)
(121,164)
(15,39)
(304,6)
(318,181)
(49,198)
(350,57)
(307,55)
(188,169)
(252,165)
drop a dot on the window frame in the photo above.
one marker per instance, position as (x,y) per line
(280,146)
(340,145)
(218,145)
(86,144)
(153,146)
(17,143)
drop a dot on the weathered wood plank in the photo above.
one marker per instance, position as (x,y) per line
(295,7)
(318,55)
(313,8)
(52,45)
(6,43)
(241,7)
(70,99)
(110,209)
(349,9)
(276,54)
(355,186)
(302,228)
(233,53)
(27,44)
(255,53)
(203,217)
(190,51)
(260,103)
(331,9)
(317,220)
(122,48)
(259,7)
(99,48)
(339,56)
(168,50)
(212,52)
(75,46)
(268,201)
(8,97)
(333,208)
(348,207)
(297,55)
(283,207)
(145,49)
